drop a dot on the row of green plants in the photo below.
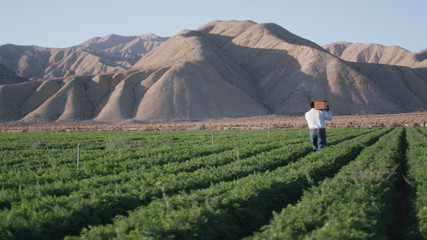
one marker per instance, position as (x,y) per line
(175,161)
(232,209)
(417,178)
(52,210)
(144,167)
(127,142)
(114,140)
(101,161)
(357,203)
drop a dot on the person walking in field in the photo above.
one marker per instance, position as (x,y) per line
(316,123)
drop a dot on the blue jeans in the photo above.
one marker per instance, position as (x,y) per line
(318,138)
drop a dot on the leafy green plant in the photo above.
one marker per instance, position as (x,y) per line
(356,203)
(417,178)
(169,184)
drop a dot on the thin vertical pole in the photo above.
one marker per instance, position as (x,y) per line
(78,155)
(268,133)
(212,137)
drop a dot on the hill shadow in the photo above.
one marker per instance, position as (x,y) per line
(413,83)
(421,56)
(273,73)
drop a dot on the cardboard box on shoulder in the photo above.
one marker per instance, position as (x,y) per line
(321,105)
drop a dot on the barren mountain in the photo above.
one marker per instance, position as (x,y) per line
(136,45)
(8,77)
(112,53)
(375,53)
(222,69)
(288,71)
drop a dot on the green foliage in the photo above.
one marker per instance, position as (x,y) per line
(232,209)
(356,203)
(177,185)
(417,177)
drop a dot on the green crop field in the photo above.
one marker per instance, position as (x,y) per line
(368,183)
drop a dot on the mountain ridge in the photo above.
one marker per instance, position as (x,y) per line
(112,53)
(376,53)
(9,77)
(221,69)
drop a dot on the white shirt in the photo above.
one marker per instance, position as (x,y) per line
(316,118)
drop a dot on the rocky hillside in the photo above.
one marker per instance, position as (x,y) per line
(375,53)
(108,54)
(222,69)
(9,77)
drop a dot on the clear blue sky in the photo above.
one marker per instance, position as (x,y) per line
(64,23)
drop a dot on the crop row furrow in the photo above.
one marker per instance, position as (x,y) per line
(61,187)
(417,176)
(67,172)
(112,199)
(106,201)
(118,151)
(229,210)
(175,160)
(61,155)
(108,164)
(355,203)
(134,171)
